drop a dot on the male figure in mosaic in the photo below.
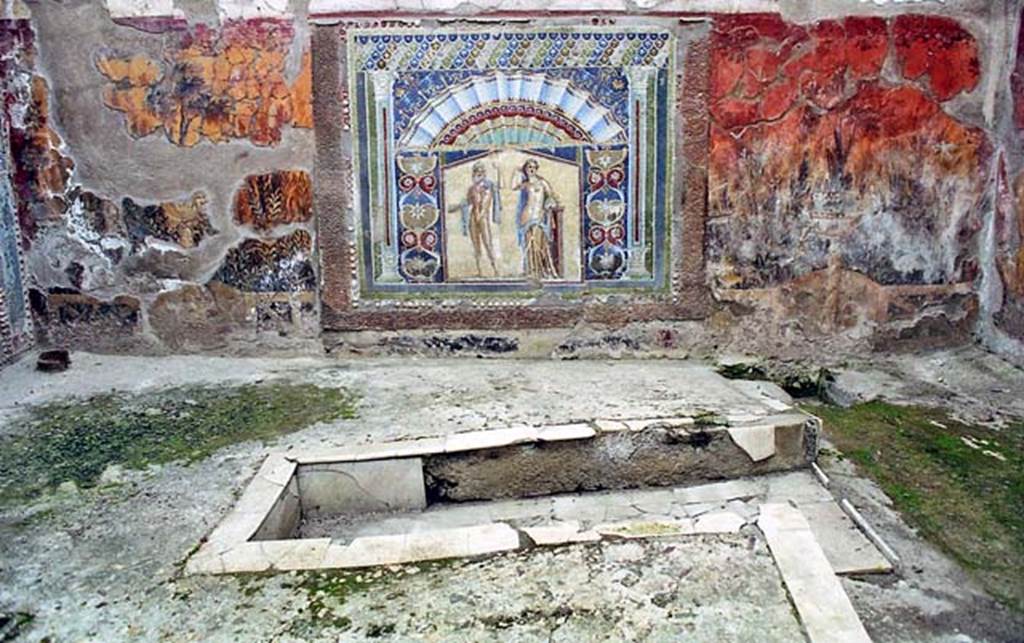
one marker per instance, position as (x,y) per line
(481,206)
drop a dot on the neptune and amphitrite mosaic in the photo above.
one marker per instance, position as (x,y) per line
(497,162)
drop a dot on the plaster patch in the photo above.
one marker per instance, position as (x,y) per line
(142,8)
(757,441)
(246,9)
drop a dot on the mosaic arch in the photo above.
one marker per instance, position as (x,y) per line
(504,161)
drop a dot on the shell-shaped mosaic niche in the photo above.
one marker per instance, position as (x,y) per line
(513,109)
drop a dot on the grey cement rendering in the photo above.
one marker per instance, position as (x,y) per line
(105,564)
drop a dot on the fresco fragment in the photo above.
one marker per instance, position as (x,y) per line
(939,48)
(184,223)
(278,198)
(281,265)
(826,169)
(212,84)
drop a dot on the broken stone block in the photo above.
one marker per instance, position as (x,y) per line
(846,388)
(757,441)
(718,522)
(53,361)
(562,533)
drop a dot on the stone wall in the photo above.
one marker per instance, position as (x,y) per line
(846,176)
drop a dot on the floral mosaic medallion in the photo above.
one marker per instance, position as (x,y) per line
(505,161)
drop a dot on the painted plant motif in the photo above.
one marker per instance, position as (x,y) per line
(480,153)
(277,198)
(816,162)
(213,84)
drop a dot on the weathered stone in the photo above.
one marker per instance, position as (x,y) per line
(824,607)
(847,549)
(655,456)
(195,317)
(846,388)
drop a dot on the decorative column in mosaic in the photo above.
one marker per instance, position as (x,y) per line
(383,114)
(639,81)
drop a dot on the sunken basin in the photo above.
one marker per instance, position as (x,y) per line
(313,510)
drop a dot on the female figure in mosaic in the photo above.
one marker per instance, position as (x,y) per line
(537,219)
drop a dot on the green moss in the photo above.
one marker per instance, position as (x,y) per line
(327,592)
(76,440)
(742,372)
(708,418)
(14,624)
(960,485)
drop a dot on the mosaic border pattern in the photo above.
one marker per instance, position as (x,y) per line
(15,320)
(343,308)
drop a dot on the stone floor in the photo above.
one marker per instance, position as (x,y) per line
(106,564)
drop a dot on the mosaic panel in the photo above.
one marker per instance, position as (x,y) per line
(15,322)
(497,162)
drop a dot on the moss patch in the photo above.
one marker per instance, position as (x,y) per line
(76,440)
(961,486)
(794,380)
(14,624)
(327,593)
